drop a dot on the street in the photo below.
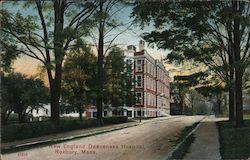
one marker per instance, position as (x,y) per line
(152,140)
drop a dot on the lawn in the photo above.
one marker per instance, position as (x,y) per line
(246,116)
(234,142)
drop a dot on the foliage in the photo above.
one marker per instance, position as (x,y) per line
(214,33)
(21,94)
(115,74)
(36,129)
(108,29)
(194,30)
(7,54)
(46,34)
(79,77)
(182,85)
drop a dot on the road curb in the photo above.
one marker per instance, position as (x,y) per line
(24,146)
(170,154)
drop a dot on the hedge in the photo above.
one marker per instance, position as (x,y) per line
(21,131)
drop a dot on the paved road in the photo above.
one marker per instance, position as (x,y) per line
(152,140)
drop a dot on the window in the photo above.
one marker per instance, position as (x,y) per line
(37,111)
(139,81)
(129,113)
(139,65)
(129,61)
(138,113)
(138,97)
(94,114)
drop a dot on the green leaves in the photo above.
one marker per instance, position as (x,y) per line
(79,75)
(20,92)
(116,78)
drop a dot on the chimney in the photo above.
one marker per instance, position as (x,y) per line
(141,45)
(131,48)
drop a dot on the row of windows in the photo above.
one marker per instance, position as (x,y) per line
(37,111)
(151,69)
(149,113)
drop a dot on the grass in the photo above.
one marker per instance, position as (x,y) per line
(246,116)
(234,142)
(184,147)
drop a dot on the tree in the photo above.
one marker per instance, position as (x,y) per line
(213,91)
(115,77)
(182,85)
(21,94)
(48,38)
(203,32)
(106,23)
(8,54)
(128,83)
(79,74)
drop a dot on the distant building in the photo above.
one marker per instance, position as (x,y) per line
(41,111)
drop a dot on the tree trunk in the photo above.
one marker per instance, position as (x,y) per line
(100,67)
(238,67)
(4,117)
(21,117)
(230,82)
(231,92)
(80,112)
(59,54)
(55,105)
(112,94)
(239,107)
(219,106)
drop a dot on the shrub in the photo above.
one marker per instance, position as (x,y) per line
(115,120)
(13,117)
(20,131)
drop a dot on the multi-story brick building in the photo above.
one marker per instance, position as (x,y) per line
(151,85)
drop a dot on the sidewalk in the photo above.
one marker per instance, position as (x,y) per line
(70,135)
(206,145)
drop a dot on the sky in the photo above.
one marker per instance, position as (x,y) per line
(29,66)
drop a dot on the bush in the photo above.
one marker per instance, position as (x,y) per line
(43,118)
(20,131)
(115,120)
(13,117)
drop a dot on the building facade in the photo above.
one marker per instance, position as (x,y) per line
(151,85)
